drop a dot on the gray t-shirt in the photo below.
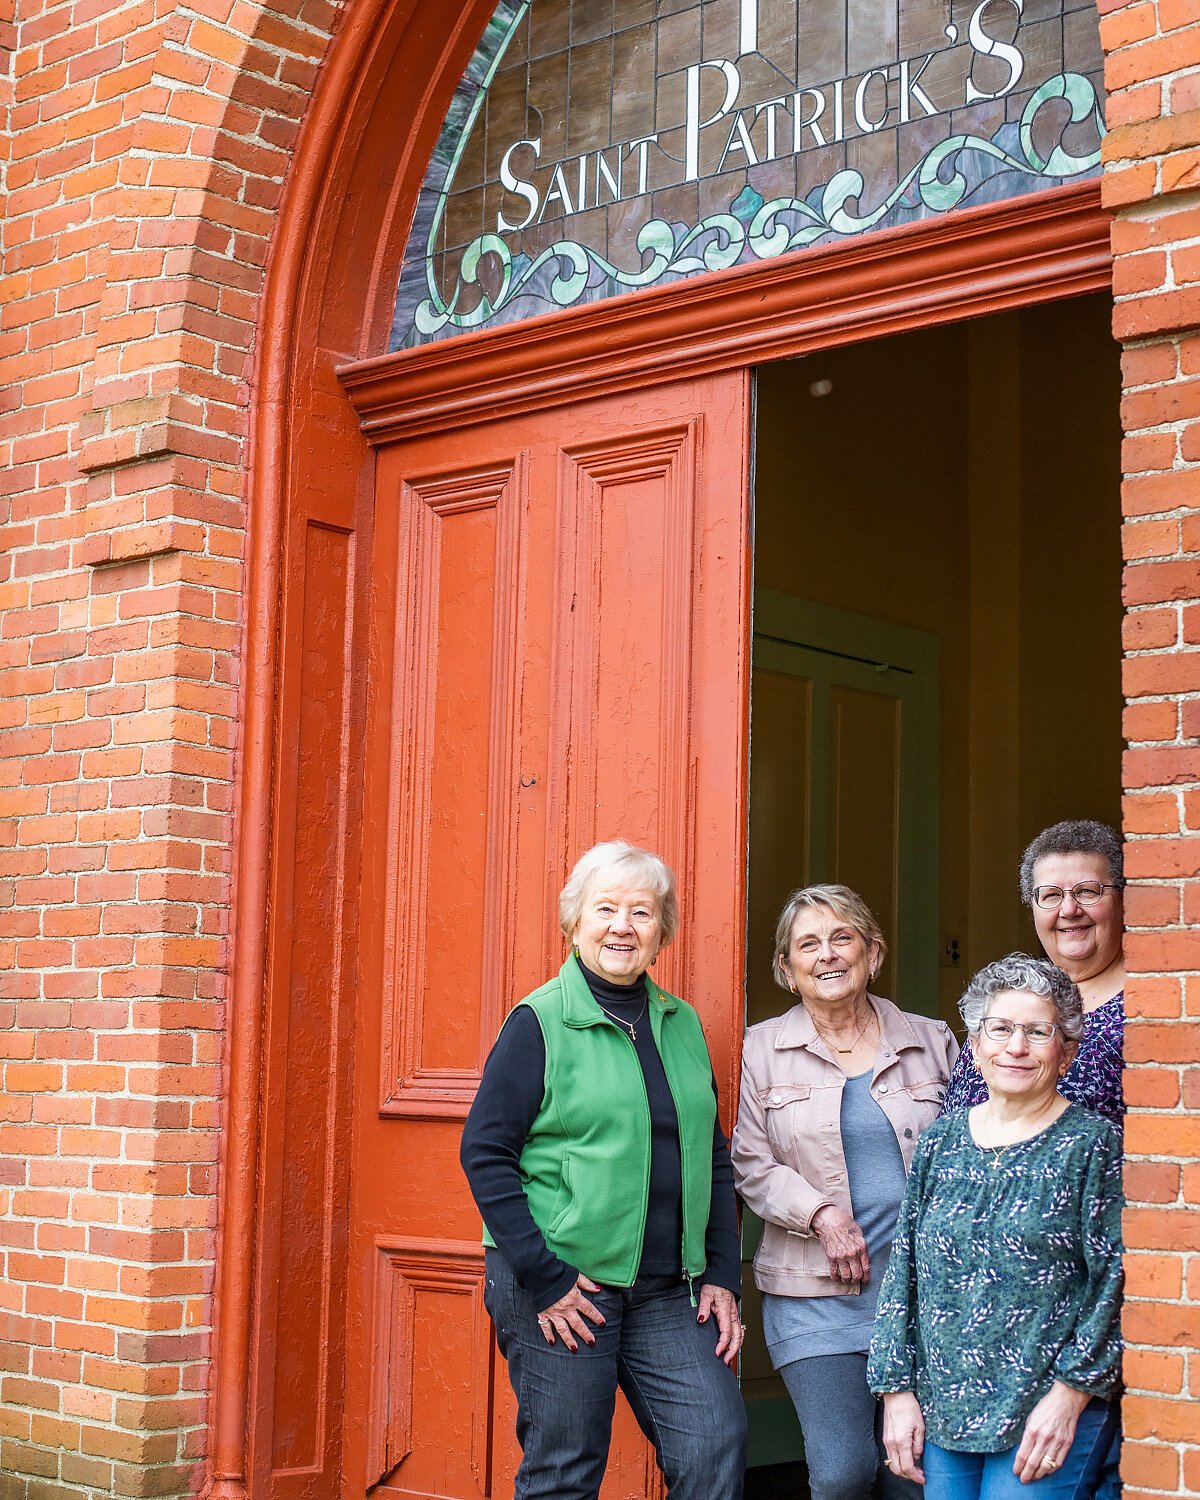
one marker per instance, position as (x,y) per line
(801,1327)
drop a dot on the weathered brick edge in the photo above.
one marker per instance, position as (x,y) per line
(1152,183)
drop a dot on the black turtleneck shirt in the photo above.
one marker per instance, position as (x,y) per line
(510,1095)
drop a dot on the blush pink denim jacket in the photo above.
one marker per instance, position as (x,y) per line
(787,1147)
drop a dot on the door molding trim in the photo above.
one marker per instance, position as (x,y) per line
(1037,248)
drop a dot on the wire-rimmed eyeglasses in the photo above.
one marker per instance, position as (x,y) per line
(1036,1033)
(1087,894)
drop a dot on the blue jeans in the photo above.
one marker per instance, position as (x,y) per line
(841,1421)
(989,1476)
(685,1399)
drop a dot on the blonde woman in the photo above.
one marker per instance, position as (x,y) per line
(834,1094)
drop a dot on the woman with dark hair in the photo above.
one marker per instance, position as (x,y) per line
(1072,879)
(997,1347)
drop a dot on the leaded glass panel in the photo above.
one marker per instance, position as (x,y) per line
(596,147)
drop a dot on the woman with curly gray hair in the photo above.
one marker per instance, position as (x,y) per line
(1072,879)
(996,1347)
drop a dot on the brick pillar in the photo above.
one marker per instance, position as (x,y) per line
(146,162)
(1152,182)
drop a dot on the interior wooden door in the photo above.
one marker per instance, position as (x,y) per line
(559,653)
(844,787)
(845,784)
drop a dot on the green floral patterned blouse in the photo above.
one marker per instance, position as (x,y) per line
(1005,1276)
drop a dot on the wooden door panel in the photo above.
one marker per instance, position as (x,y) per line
(779,821)
(558,654)
(858,802)
(453,692)
(864,803)
(431,1418)
(622,676)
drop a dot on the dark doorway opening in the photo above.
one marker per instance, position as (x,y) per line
(936,657)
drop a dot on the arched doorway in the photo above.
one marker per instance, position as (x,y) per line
(348,1186)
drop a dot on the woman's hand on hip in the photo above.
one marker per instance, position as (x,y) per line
(1049,1432)
(720,1303)
(843,1242)
(565,1318)
(904,1435)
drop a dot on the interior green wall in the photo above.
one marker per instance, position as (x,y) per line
(965,481)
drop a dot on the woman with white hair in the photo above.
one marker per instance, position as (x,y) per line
(996,1347)
(597,1160)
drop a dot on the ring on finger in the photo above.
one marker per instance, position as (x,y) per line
(1050,1463)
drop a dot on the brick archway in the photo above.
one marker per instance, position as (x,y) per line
(216,241)
(1148,176)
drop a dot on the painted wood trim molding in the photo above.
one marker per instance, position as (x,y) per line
(1031,249)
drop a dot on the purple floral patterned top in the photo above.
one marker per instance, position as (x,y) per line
(1093,1079)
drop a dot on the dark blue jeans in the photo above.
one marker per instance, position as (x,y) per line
(685,1399)
(989,1476)
(1109,1486)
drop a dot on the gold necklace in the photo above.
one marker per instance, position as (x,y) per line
(630,1025)
(997,1152)
(846,1051)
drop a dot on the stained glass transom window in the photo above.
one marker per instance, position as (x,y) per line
(596,147)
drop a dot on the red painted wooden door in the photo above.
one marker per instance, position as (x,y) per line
(559,653)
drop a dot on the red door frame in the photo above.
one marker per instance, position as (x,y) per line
(327,300)
(1033,249)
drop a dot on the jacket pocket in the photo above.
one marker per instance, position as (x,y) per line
(928,1099)
(785,1107)
(784,1254)
(565,1201)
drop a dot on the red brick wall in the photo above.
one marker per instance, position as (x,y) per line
(1152,183)
(145,166)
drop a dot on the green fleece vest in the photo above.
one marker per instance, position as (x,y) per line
(585,1167)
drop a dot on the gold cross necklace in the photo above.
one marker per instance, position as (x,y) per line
(630,1026)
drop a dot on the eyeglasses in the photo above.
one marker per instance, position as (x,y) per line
(1050,896)
(1037,1033)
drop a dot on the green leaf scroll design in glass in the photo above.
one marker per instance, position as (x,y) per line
(491,283)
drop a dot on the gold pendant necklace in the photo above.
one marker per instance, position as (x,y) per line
(630,1026)
(997,1152)
(845,1051)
